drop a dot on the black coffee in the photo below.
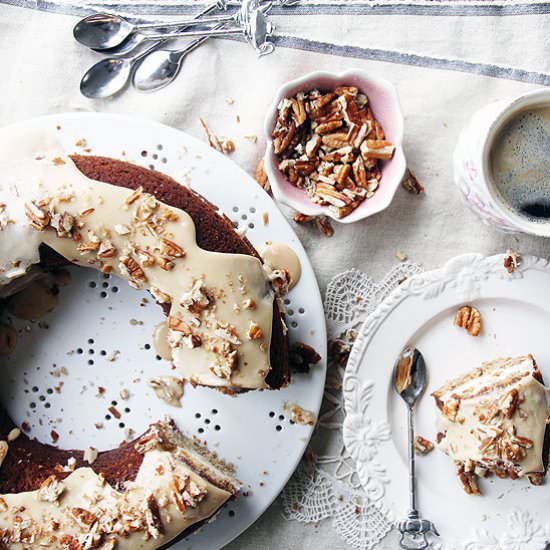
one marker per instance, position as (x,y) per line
(520,164)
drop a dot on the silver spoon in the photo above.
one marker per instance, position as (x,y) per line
(109,76)
(255,27)
(132,43)
(161,67)
(409,381)
(105,30)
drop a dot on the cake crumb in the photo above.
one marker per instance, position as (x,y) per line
(221,145)
(401,256)
(253,138)
(4,447)
(90,454)
(54,435)
(298,415)
(168,388)
(228,146)
(98,425)
(115,412)
(124,394)
(265,218)
(14,434)
(81,142)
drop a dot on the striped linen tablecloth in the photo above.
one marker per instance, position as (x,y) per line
(446,58)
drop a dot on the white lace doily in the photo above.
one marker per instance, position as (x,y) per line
(326,485)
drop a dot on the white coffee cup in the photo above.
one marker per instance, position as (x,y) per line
(472,164)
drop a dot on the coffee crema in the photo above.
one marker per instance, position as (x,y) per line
(520,163)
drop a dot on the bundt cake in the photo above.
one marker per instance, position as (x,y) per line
(225,331)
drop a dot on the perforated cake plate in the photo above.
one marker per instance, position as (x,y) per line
(68,370)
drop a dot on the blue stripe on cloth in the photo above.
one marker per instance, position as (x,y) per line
(367,8)
(388,56)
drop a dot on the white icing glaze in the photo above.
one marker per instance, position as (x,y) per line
(34,170)
(464,435)
(124,516)
(281,256)
(160,341)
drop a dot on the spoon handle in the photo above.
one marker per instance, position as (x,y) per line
(188,23)
(178,55)
(187,34)
(412,464)
(162,39)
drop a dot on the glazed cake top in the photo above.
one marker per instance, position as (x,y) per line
(178,484)
(221,305)
(496,415)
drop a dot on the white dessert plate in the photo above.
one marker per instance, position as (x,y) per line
(515,310)
(100,335)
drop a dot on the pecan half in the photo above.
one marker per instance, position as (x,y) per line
(469,318)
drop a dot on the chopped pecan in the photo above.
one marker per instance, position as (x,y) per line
(254,331)
(281,142)
(38,217)
(303,357)
(468,480)
(339,352)
(299,111)
(83,517)
(179,325)
(130,266)
(324,225)
(411,183)
(422,445)
(171,249)
(316,153)
(302,218)
(153,519)
(260,175)
(509,403)
(511,261)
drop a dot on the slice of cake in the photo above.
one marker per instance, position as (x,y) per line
(494,419)
(148,493)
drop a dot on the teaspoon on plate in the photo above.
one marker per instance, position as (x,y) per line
(409,381)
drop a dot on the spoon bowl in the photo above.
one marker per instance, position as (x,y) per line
(156,71)
(106,78)
(102,31)
(409,375)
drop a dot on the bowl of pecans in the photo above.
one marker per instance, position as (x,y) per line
(334,145)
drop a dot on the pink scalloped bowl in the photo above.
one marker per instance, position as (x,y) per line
(385,106)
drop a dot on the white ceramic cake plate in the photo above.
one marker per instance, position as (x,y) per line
(101,332)
(515,310)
